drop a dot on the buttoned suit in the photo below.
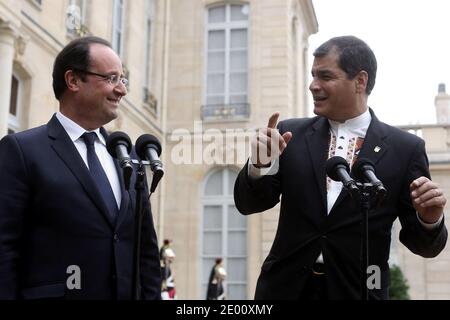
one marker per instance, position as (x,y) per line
(53,217)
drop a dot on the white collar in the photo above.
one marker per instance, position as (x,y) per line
(74,130)
(360,122)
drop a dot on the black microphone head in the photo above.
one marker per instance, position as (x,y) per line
(116,138)
(361,165)
(143,142)
(333,163)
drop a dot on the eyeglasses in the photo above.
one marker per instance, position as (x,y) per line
(111,78)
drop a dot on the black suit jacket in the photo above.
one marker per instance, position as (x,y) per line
(52,217)
(305,229)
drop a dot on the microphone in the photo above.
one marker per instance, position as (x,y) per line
(364,170)
(118,145)
(338,170)
(148,147)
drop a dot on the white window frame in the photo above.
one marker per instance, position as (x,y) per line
(118,8)
(14,122)
(224,200)
(226,26)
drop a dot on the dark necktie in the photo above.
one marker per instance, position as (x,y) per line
(99,175)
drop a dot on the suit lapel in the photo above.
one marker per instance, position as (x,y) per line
(318,142)
(66,150)
(373,148)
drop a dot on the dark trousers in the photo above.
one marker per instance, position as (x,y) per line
(316,285)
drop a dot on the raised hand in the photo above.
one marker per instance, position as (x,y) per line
(268,143)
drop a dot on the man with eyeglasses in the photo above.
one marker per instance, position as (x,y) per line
(66,221)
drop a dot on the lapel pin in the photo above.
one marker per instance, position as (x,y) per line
(377,149)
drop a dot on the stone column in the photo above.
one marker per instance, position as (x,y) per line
(7,36)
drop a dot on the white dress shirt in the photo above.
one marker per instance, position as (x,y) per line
(344,138)
(75,132)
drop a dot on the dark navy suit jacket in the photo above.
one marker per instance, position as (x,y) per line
(52,217)
(305,229)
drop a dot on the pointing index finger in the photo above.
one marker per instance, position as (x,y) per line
(273,120)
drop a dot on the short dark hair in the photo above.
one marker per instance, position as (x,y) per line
(354,56)
(73,56)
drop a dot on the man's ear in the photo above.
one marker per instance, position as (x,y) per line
(72,81)
(361,80)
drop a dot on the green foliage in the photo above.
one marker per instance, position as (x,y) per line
(399,285)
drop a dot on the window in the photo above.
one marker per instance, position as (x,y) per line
(14,105)
(224,235)
(118,26)
(227,60)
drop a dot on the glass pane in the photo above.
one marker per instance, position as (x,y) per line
(236,292)
(212,243)
(119,14)
(232,176)
(216,14)
(238,82)
(14,96)
(208,264)
(216,62)
(239,12)
(216,83)
(238,60)
(238,38)
(216,40)
(237,244)
(118,43)
(212,217)
(214,184)
(238,99)
(151,8)
(213,100)
(237,270)
(203,292)
(235,218)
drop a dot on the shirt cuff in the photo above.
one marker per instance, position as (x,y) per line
(255,173)
(430,226)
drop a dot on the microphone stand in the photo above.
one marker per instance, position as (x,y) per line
(139,213)
(364,194)
(139,187)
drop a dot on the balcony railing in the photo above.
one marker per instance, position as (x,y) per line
(230,112)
